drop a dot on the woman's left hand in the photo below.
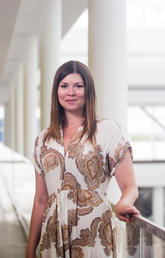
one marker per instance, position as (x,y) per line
(125,211)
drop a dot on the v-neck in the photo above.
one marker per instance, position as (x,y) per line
(73,138)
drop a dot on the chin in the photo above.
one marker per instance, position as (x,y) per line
(73,109)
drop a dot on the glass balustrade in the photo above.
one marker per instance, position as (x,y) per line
(145,239)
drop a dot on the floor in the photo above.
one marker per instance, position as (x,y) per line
(12,240)
(16,187)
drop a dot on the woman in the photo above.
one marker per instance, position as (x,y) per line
(74,160)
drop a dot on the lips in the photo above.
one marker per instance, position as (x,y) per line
(71,100)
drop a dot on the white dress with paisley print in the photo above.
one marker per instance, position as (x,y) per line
(78,220)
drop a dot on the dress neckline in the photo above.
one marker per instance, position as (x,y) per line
(74,138)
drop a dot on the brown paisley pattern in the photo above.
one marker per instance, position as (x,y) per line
(85,198)
(72,219)
(102,227)
(92,168)
(88,235)
(106,233)
(77,252)
(51,199)
(74,150)
(77,220)
(65,237)
(70,182)
(119,155)
(51,234)
(37,164)
(51,159)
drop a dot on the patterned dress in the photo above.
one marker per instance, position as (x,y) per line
(78,220)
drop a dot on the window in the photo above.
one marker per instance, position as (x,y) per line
(146,128)
(1,123)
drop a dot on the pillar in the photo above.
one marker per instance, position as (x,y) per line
(20,110)
(49,51)
(30,95)
(107,57)
(158,217)
(158,205)
(12,116)
(7,127)
(107,63)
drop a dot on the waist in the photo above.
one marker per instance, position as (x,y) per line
(82,200)
(80,193)
(77,190)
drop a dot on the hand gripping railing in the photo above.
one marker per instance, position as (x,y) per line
(145,239)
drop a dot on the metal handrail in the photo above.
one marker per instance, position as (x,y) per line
(149,226)
(146,224)
(148,161)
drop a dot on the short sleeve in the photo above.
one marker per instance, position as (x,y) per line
(36,157)
(117,147)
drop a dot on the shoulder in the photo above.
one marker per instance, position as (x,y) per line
(41,136)
(108,125)
(109,131)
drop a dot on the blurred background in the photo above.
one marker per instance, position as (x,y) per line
(123,43)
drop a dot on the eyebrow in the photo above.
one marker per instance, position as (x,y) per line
(74,83)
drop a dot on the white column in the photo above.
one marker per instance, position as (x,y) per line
(12,116)
(30,96)
(107,57)
(50,43)
(7,126)
(158,209)
(20,110)
(107,61)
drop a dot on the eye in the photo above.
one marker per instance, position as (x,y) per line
(79,85)
(63,85)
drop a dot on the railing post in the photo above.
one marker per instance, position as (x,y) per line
(158,248)
(142,243)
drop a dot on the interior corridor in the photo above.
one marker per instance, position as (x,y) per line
(16,191)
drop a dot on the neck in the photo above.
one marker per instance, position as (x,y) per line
(73,120)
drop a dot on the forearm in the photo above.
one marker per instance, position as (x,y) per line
(125,206)
(126,180)
(129,195)
(35,228)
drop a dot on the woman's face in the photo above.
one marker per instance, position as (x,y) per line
(71,93)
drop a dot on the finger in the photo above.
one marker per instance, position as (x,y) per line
(137,211)
(133,211)
(132,219)
(123,218)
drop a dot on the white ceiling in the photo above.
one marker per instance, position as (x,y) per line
(8,13)
(18,20)
(21,18)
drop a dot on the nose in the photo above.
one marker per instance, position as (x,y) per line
(71,91)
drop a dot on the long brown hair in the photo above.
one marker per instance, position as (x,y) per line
(57,111)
